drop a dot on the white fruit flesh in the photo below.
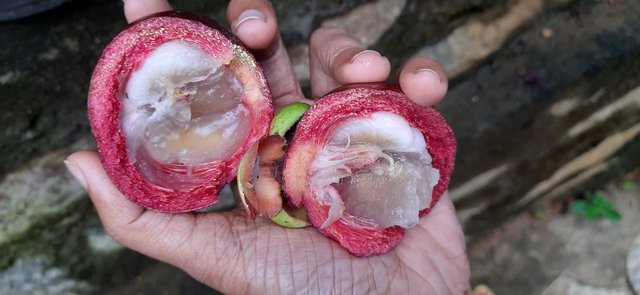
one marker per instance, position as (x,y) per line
(376,169)
(182,106)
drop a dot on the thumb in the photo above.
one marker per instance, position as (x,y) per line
(155,234)
(204,245)
(114,209)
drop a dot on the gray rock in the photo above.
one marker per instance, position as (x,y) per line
(423,23)
(568,286)
(35,196)
(44,76)
(15,9)
(367,22)
(52,243)
(633,265)
(559,253)
(484,34)
(502,112)
(476,39)
(298,19)
(34,277)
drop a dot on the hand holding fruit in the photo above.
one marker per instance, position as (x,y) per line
(229,250)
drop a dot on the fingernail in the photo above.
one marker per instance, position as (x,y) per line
(247,15)
(353,59)
(429,75)
(75,170)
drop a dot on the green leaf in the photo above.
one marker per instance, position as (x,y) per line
(600,201)
(628,185)
(594,207)
(592,213)
(579,207)
(611,214)
(287,220)
(287,117)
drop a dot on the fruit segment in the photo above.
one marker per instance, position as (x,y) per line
(174,103)
(259,173)
(366,163)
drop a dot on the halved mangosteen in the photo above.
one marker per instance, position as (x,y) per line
(366,162)
(174,102)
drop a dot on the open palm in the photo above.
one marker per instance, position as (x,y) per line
(235,254)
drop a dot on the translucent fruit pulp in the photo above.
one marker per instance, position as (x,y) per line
(376,169)
(182,107)
(389,193)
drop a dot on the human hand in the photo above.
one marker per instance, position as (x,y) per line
(234,254)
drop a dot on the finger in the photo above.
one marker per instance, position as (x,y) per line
(152,233)
(254,22)
(177,239)
(336,59)
(111,204)
(423,81)
(137,9)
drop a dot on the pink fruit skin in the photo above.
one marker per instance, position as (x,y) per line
(358,101)
(125,54)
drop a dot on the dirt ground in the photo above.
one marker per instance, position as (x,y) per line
(550,250)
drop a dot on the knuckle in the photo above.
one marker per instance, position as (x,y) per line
(320,34)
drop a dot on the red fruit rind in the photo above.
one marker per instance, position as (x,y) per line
(126,53)
(315,128)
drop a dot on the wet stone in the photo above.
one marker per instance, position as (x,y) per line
(633,265)
(33,276)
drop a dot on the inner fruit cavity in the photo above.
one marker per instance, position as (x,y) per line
(376,169)
(182,108)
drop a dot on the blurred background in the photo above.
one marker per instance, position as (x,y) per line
(544,100)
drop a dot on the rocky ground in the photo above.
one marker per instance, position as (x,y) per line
(544,100)
(549,250)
